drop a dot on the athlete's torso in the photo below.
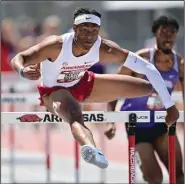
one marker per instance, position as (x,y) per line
(67,70)
(153,102)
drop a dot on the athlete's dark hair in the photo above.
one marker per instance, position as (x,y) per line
(163,21)
(81,11)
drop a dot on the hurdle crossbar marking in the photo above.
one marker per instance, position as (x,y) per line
(89,116)
(24,98)
(160,116)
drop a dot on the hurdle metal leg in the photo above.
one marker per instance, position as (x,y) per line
(12,143)
(77,164)
(131,147)
(48,154)
(171,154)
(102,171)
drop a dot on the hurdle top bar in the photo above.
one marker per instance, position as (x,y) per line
(89,116)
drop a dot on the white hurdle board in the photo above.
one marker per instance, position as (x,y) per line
(89,116)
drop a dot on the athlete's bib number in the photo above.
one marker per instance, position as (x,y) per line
(69,76)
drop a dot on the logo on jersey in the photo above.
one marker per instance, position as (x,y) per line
(171,76)
(29,118)
(65,64)
(88,62)
(79,67)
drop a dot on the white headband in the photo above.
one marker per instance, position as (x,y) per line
(87,18)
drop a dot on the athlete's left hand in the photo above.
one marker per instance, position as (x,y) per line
(172,115)
(110,130)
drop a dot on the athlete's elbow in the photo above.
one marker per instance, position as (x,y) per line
(16,62)
(13,62)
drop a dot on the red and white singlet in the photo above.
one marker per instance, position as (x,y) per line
(67,70)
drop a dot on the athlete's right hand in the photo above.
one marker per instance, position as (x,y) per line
(31,72)
(110,130)
(172,115)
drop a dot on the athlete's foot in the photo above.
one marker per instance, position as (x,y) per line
(94,156)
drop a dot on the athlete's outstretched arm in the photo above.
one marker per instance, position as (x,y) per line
(110,51)
(37,54)
(111,106)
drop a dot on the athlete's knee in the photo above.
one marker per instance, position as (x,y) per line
(75,113)
(71,112)
(154,177)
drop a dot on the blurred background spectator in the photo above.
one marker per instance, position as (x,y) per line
(20,30)
(50,26)
(8,42)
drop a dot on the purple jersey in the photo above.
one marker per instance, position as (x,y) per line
(152,103)
(97,68)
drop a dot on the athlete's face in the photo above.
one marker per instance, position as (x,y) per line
(86,34)
(166,37)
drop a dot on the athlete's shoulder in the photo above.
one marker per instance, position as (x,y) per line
(52,41)
(111,51)
(110,47)
(180,61)
(144,53)
(107,44)
(67,35)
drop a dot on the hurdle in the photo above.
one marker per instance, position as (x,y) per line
(32,99)
(132,117)
(29,98)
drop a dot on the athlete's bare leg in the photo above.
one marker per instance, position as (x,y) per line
(161,147)
(148,163)
(63,104)
(109,87)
